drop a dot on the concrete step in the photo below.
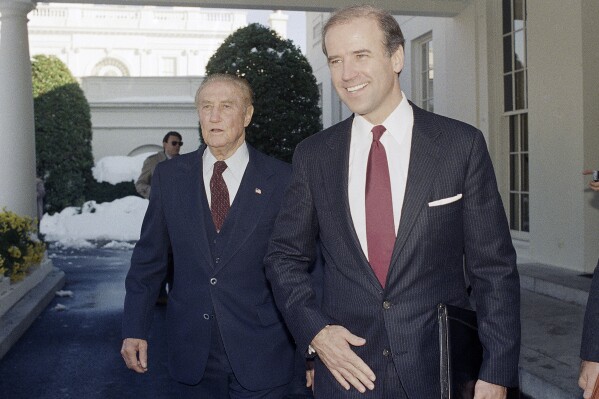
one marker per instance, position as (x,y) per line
(23,313)
(552,314)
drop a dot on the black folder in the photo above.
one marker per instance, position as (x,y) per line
(461,353)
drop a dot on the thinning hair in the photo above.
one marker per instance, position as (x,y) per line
(241,83)
(388,25)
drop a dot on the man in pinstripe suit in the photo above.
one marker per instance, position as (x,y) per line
(391,257)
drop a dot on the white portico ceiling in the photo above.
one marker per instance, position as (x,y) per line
(441,8)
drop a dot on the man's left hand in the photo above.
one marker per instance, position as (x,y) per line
(588,377)
(486,390)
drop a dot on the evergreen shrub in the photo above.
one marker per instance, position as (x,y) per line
(286,95)
(63,134)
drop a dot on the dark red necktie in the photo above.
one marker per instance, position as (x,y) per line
(219,195)
(380,227)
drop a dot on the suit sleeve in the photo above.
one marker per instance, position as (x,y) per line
(490,262)
(291,254)
(148,267)
(143,183)
(589,349)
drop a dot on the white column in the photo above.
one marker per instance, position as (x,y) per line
(17,130)
(278,23)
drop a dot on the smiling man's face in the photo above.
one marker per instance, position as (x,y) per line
(363,74)
(224,115)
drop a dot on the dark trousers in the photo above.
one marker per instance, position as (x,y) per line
(219,381)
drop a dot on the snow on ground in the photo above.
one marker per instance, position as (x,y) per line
(117,222)
(116,169)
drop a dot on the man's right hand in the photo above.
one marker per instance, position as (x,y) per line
(135,353)
(332,344)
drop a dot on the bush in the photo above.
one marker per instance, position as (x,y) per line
(107,192)
(20,250)
(63,134)
(286,95)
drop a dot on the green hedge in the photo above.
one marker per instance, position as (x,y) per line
(63,134)
(107,192)
(286,95)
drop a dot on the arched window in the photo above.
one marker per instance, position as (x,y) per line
(110,67)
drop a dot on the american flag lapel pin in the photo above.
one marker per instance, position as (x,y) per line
(257,191)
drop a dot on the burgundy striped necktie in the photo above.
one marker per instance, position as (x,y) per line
(219,195)
(380,227)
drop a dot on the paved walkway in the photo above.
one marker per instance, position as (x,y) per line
(74,352)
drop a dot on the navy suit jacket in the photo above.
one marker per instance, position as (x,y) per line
(427,267)
(234,288)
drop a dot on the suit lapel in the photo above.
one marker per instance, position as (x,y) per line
(335,171)
(424,153)
(252,197)
(192,196)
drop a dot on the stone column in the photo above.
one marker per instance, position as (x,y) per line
(17,130)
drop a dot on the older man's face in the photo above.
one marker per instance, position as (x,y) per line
(224,115)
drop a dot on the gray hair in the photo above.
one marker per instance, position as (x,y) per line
(241,83)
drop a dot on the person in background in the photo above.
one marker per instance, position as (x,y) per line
(171,145)
(215,207)
(589,349)
(402,202)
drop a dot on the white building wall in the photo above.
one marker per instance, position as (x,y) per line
(139,37)
(131,115)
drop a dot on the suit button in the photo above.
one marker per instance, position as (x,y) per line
(217,260)
(386,352)
(206,316)
(213,281)
(386,305)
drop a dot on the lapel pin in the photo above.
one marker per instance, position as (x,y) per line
(258,191)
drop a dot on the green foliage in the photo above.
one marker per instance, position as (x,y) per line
(107,192)
(20,250)
(63,134)
(286,96)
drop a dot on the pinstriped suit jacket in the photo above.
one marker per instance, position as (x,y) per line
(447,158)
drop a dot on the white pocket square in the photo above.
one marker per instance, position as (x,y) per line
(445,201)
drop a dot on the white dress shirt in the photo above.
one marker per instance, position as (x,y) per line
(236,165)
(397,140)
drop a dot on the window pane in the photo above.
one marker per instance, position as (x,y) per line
(430,85)
(524,174)
(514,211)
(507,16)
(514,133)
(525,216)
(430,55)
(518,14)
(423,56)
(424,84)
(524,132)
(507,53)
(520,90)
(519,54)
(514,173)
(507,93)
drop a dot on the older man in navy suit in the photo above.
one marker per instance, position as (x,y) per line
(216,208)
(404,203)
